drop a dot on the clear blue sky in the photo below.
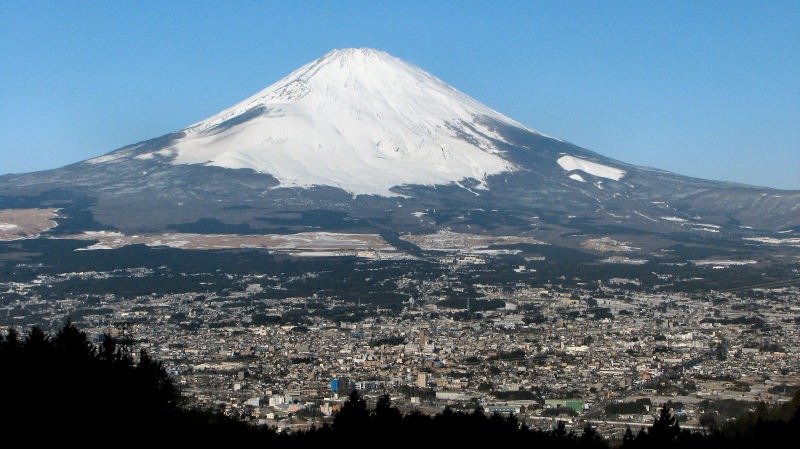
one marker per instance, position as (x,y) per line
(708,89)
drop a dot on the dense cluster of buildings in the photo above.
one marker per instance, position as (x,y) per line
(546,355)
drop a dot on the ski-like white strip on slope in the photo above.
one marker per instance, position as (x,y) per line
(577,177)
(570,163)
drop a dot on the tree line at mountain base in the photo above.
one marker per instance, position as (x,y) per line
(66,388)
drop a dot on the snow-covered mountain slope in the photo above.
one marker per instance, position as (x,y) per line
(357,119)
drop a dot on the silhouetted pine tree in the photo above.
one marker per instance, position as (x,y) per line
(591,439)
(353,415)
(627,439)
(385,418)
(665,429)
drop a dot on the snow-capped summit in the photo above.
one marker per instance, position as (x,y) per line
(358,119)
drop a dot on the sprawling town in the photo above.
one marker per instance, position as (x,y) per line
(609,355)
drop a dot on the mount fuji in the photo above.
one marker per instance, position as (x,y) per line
(360,120)
(359,141)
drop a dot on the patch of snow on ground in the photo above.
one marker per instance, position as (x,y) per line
(94,247)
(360,245)
(775,241)
(19,224)
(704,227)
(570,163)
(607,244)
(459,242)
(577,177)
(724,262)
(177,243)
(111,157)
(624,260)
(643,215)
(98,234)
